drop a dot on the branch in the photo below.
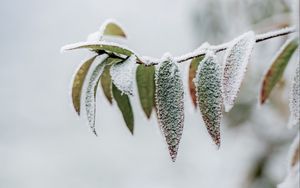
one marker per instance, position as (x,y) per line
(221,47)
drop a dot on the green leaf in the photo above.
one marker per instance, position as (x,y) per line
(124,105)
(146,87)
(98,46)
(106,83)
(209,92)
(277,68)
(90,97)
(192,74)
(106,78)
(78,83)
(110,27)
(169,104)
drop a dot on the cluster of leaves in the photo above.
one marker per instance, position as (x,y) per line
(213,86)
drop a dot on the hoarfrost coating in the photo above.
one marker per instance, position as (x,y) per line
(236,60)
(169,102)
(208,84)
(122,75)
(294,103)
(90,98)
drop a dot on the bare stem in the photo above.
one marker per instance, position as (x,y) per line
(224,46)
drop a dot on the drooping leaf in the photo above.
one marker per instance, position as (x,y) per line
(209,95)
(106,83)
(111,27)
(124,105)
(98,46)
(106,78)
(78,83)
(295,152)
(236,61)
(90,98)
(294,103)
(122,75)
(192,74)
(277,68)
(146,87)
(169,104)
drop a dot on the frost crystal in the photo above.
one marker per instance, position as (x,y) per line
(122,75)
(208,84)
(295,99)
(90,98)
(236,61)
(169,103)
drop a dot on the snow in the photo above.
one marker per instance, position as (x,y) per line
(208,83)
(169,102)
(90,98)
(236,60)
(122,75)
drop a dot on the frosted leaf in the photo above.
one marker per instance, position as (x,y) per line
(122,75)
(192,72)
(78,81)
(169,104)
(294,103)
(208,84)
(236,61)
(292,179)
(90,97)
(294,153)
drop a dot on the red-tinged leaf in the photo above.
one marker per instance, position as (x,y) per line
(277,68)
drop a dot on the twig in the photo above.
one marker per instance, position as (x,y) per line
(221,47)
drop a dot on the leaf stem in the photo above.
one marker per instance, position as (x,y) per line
(219,48)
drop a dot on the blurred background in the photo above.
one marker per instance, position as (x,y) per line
(44,144)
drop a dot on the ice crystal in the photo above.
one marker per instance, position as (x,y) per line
(208,84)
(295,99)
(90,98)
(169,103)
(122,75)
(236,61)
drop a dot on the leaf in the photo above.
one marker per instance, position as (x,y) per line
(98,46)
(90,98)
(106,83)
(277,68)
(294,103)
(169,104)
(192,74)
(294,152)
(236,60)
(111,27)
(78,83)
(146,87)
(106,78)
(124,105)
(209,95)
(122,75)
